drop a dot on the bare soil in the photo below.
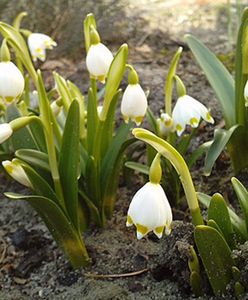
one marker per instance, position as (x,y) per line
(31,266)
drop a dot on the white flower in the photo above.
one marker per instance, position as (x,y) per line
(165,124)
(188,111)
(246,93)
(134,103)
(15,170)
(11,81)
(5,132)
(38,43)
(55,108)
(98,61)
(150,211)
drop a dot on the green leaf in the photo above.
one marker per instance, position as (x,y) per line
(34,158)
(221,138)
(218,76)
(238,224)
(110,168)
(152,120)
(218,212)
(107,130)
(241,71)
(115,75)
(17,42)
(92,121)
(41,187)
(216,257)
(197,153)
(242,195)
(21,138)
(88,21)
(61,228)
(63,90)
(141,168)
(69,162)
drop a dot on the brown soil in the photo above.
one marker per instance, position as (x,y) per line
(31,265)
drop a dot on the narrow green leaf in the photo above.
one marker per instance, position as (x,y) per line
(69,162)
(221,138)
(115,75)
(152,120)
(214,225)
(197,153)
(141,168)
(218,76)
(41,187)
(241,70)
(218,212)
(17,42)
(61,228)
(88,21)
(242,195)
(63,90)
(238,224)
(216,257)
(107,131)
(92,121)
(34,158)
(22,138)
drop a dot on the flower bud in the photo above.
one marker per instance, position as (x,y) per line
(5,132)
(134,104)
(98,61)
(11,82)
(165,124)
(38,43)
(56,108)
(15,170)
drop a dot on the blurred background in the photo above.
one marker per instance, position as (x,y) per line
(156,23)
(153,30)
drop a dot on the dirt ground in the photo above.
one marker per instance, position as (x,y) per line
(31,266)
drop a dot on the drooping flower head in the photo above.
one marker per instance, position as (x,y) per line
(38,43)
(99,58)
(134,101)
(189,111)
(15,170)
(149,209)
(11,81)
(5,132)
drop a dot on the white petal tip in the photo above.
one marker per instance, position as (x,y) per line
(139,235)
(159,235)
(128,224)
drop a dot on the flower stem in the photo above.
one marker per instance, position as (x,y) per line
(179,164)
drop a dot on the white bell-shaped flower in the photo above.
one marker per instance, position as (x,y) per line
(246,93)
(38,43)
(5,132)
(150,211)
(15,170)
(98,61)
(134,103)
(11,81)
(165,124)
(188,111)
(56,109)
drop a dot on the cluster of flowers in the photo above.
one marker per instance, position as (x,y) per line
(149,209)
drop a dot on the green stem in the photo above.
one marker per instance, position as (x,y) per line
(180,166)
(45,115)
(169,81)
